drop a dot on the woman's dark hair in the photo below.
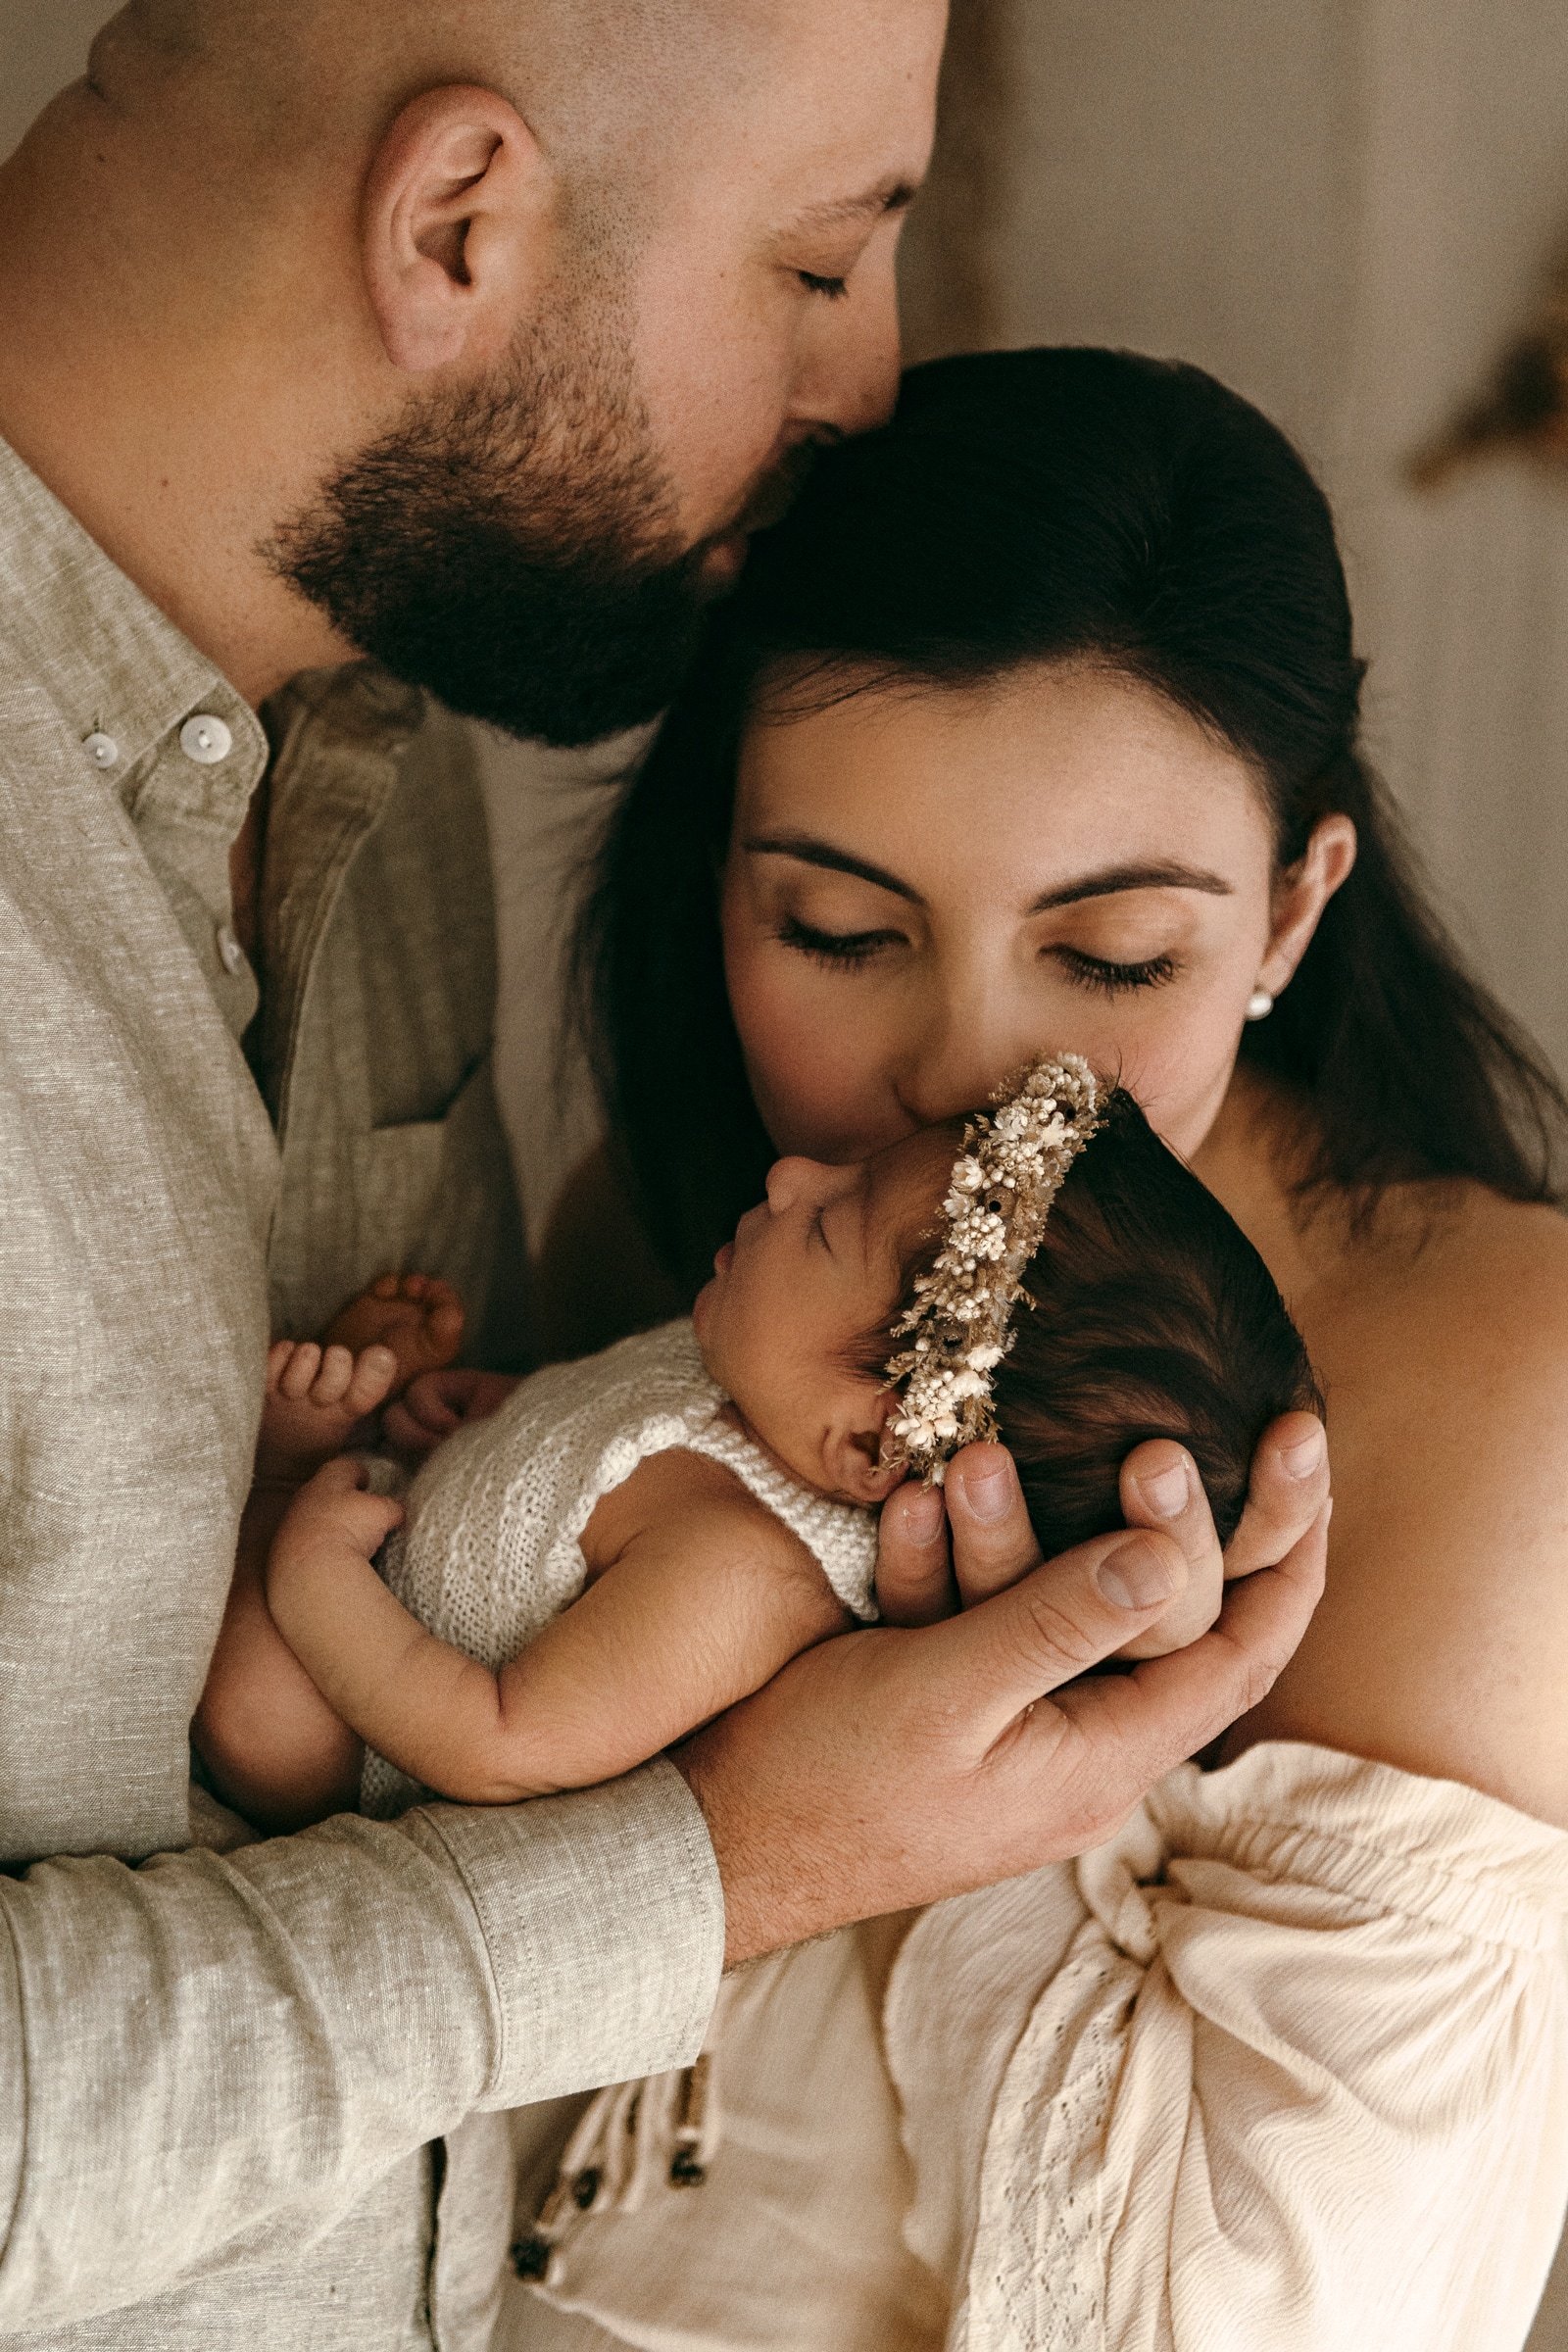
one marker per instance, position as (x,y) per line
(1048,505)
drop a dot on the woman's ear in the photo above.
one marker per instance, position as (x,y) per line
(1301,895)
(456,228)
(854,1449)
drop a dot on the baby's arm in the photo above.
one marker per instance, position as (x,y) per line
(702,1597)
(272,1746)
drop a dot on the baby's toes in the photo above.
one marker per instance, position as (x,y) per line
(330,1386)
(279,1357)
(374,1371)
(296,1376)
(443,1328)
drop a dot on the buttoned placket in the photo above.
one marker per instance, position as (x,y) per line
(187,798)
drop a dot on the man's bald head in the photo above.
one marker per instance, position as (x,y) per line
(430,299)
(594,80)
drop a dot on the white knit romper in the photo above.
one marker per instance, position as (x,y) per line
(492,1548)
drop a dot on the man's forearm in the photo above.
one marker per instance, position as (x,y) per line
(213,2046)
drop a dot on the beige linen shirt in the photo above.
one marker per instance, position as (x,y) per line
(222,2071)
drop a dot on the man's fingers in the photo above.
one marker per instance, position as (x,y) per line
(993,1541)
(1140,1725)
(914,1579)
(1160,1488)
(1007,1653)
(1286,1496)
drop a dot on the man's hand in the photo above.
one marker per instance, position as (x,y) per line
(922,1577)
(892,1768)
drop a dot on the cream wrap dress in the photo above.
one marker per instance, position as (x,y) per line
(1281,2068)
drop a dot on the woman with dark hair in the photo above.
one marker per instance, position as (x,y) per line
(1035,727)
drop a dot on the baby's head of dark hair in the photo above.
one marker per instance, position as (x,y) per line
(1147,1313)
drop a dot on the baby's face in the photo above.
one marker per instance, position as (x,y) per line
(811,1271)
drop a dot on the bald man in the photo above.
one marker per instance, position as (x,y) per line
(459,342)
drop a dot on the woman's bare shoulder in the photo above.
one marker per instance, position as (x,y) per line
(1442,1643)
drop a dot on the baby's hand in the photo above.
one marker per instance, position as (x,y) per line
(333,1526)
(316,1399)
(441,1402)
(416,1315)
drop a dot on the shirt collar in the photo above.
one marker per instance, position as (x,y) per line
(117,671)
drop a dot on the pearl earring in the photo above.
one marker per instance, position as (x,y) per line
(1259,1004)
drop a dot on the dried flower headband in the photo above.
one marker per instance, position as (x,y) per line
(959,1324)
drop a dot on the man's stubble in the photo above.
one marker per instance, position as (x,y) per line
(513,546)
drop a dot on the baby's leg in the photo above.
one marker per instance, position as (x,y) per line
(418,1316)
(316,1399)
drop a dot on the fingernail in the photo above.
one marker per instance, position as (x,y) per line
(1301,1460)
(987,1493)
(1136,1576)
(923,1516)
(1165,1491)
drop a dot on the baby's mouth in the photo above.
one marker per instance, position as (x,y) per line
(722,1258)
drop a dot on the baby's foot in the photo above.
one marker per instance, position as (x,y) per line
(418,1316)
(316,1399)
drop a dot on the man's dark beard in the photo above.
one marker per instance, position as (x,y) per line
(514,550)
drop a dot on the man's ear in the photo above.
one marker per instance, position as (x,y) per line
(854,1446)
(456,232)
(1300,895)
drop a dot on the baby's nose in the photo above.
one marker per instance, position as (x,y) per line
(787,1180)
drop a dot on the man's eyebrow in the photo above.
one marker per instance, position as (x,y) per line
(895,195)
(834,862)
(1116,878)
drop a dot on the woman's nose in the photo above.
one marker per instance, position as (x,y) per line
(954,1064)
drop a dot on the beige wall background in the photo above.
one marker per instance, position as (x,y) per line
(1344,207)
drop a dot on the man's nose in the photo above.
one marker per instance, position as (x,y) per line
(854,384)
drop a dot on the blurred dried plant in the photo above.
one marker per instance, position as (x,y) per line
(951,295)
(1524,409)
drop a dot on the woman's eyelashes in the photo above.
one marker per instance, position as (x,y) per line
(838,950)
(848,951)
(831,289)
(1111,979)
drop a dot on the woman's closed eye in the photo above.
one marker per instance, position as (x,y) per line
(840,950)
(1112,979)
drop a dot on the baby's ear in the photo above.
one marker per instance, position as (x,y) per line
(855,1449)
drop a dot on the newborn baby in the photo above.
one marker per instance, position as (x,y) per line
(621,1547)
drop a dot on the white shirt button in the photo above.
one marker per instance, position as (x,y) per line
(102,749)
(230,954)
(205,740)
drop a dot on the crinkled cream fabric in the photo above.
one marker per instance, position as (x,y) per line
(492,1549)
(1281,2068)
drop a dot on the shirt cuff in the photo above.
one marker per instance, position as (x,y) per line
(603,1916)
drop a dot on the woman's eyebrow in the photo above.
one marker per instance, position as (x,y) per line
(1116,878)
(800,846)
